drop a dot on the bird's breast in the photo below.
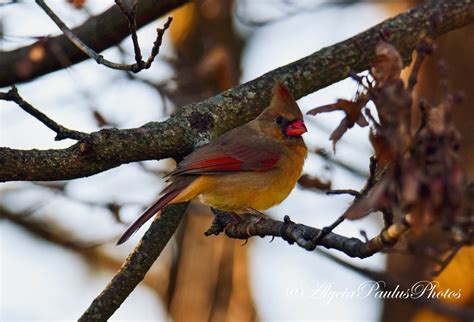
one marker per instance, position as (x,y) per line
(259,190)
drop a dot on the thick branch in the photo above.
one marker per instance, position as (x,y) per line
(136,266)
(195,123)
(304,236)
(99,33)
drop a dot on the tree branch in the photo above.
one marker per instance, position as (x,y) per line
(99,33)
(197,122)
(136,67)
(61,132)
(136,265)
(304,236)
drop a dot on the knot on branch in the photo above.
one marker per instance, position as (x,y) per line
(201,122)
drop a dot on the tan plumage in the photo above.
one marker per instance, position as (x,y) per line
(255,165)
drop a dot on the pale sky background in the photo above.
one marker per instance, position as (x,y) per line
(40,281)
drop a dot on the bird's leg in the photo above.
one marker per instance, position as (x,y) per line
(222,221)
(260,215)
(326,230)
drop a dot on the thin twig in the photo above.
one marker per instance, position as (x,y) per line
(136,67)
(323,154)
(132,25)
(371,181)
(61,132)
(157,44)
(351,192)
(305,236)
(328,229)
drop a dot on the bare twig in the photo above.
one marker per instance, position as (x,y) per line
(138,66)
(328,229)
(371,181)
(61,132)
(305,236)
(325,155)
(136,266)
(350,192)
(157,44)
(132,23)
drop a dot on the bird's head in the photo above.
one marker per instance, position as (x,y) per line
(282,117)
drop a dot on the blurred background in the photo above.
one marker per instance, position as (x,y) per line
(57,238)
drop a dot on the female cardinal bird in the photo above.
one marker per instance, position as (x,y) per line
(251,167)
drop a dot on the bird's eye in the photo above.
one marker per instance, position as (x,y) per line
(279,120)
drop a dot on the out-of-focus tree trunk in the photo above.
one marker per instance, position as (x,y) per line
(453,56)
(209,278)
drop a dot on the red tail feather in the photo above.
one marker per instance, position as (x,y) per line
(150,212)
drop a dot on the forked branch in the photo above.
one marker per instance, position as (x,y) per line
(131,17)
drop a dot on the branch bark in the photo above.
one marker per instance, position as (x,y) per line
(196,123)
(304,236)
(99,33)
(136,265)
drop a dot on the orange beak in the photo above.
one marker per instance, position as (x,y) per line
(296,128)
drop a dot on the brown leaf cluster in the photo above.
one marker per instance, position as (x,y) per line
(418,172)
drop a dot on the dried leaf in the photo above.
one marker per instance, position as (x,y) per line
(307,181)
(353,111)
(387,65)
(383,150)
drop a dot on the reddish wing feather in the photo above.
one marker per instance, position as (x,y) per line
(223,162)
(225,157)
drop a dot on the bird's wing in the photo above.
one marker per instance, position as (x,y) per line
(226,156)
